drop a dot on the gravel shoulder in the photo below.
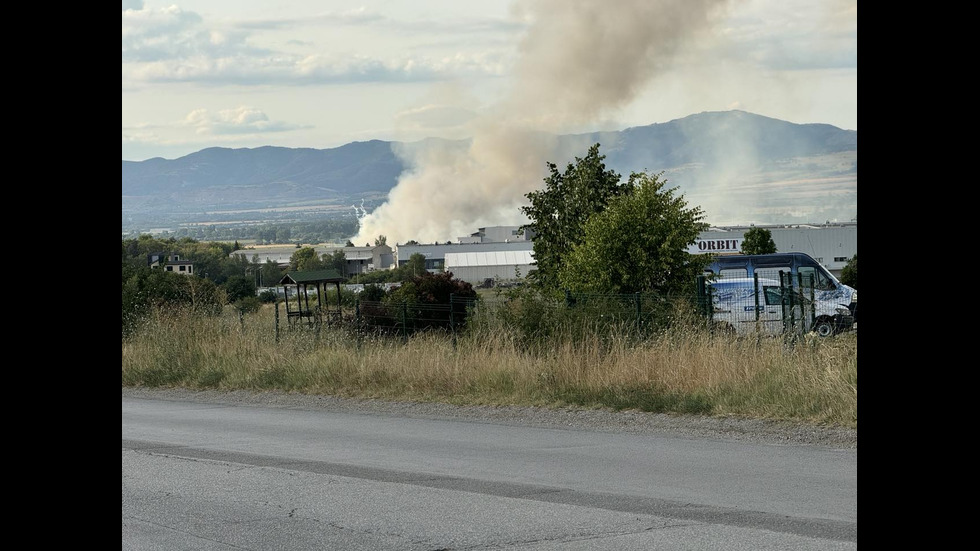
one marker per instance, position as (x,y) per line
(627,422)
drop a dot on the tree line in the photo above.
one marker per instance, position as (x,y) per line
(320,231)
(593,233)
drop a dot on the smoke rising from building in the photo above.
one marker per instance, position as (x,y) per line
(579,61)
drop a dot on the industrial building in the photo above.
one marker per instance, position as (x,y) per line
(504,253)
(438,256)
(832,245)
(359,259)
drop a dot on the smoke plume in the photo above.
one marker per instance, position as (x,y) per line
(579,61)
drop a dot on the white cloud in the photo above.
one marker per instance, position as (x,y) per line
(779,35)
(151,35)
(240,120)
(366,73)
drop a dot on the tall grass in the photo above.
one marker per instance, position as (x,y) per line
(681,369)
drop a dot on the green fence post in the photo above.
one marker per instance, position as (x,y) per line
(813,301)
(803,314)
(452,317)
(357,321)
(404,322)
(702,296)
(639,312)
(789,293)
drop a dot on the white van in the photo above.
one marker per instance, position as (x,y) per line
(834,308)
(747,306)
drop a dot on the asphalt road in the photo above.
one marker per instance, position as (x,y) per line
(220,476)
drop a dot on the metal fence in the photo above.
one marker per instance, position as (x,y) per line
(730,305)
(779,304)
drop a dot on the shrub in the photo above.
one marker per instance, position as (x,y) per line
(429,298)
(146,290)
(238,287)
(268,296)
(248,305)
(373,293)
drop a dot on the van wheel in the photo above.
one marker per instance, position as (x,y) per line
(825,327)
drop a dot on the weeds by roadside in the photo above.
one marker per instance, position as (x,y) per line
(681,368)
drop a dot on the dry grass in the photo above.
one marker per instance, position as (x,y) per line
(680,371)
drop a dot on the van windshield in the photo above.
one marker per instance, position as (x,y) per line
(822,279)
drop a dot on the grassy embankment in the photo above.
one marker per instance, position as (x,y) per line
(679,371)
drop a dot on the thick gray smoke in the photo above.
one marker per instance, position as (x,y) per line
(579,61)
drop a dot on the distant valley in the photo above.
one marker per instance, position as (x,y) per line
(739,167)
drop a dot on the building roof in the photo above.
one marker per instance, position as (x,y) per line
(489,258)
(315,276)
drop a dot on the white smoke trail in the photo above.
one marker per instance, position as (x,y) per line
(359,211)
(579,60)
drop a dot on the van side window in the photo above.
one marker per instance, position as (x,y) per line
(773,296)
(820,279)
(771,272)
(733,272)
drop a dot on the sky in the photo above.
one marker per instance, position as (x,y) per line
(320,74)
(504,74)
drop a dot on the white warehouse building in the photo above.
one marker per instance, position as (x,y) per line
(481,256)
(832,245)
(496,265)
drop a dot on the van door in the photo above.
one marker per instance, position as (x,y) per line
(771,315)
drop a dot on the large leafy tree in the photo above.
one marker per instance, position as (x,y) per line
(305,259)
(337,261)
(238,287)
(639,243)
(758,241)
(414,267)
(558,213)
(270,273)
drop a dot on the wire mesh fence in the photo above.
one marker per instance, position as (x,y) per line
(727,305)
(777,303)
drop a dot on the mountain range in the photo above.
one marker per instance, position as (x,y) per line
(740,167)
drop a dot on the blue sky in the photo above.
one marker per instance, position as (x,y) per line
(319,74)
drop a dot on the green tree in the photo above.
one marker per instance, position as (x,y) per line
(414,267)
(377,276)
(638,243)
(349,243)
(558,213)
(849,275)
(305,259)
(336,261)
(427,289)
(270,273)
(758,241)
(380,240)
(239,286)
(283,233)
(373,293)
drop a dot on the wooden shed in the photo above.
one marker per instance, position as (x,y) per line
(298,308)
